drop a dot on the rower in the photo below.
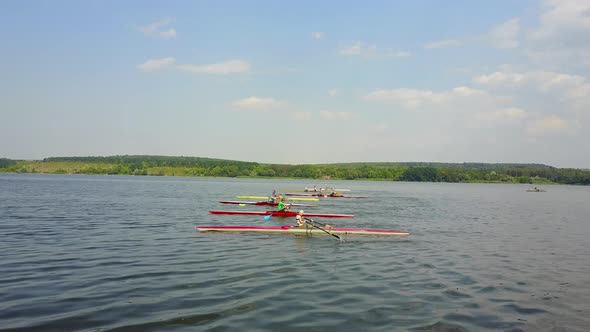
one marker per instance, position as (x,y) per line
(301,221)
(282,207)
(275,197)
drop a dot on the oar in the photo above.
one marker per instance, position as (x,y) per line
(267,217)
(313,224)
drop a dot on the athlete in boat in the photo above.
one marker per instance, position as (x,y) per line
(302,220)
(314,189)
(275,197)
(282,207)
(299,218)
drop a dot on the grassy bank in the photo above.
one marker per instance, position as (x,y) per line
(193,166)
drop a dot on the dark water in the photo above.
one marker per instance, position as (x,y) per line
(82,253)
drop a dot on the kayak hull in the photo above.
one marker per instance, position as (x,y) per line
(263,203)
(286,214)
(286,229)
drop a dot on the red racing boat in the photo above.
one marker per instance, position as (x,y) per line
(281,214)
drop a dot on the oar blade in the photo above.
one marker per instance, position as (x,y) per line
(314,223)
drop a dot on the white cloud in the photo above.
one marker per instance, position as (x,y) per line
(410,98)
(370,51)
(511,113)
(257,104)
(563,17)
(333,92)
(557,57)
(228,67)
(155,29)
(156,64)
(317,35)
(170,33)
(336,115)
(467,91)
(561,37)
(500,78)
(506,34)
(414,98)
(581,91)
(548,125)
(542,80)
(301,115)
(441,44)
(354,49)
(572,91)
(456,110)
(502,115)
(400,54)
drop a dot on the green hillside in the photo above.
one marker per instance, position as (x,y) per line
(390,171)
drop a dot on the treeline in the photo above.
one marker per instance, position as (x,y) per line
(196,166)
(4,163)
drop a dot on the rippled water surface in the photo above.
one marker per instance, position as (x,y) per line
(100,253)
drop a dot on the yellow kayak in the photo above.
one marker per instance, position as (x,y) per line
(286,198)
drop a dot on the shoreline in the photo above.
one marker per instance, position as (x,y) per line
(283,178)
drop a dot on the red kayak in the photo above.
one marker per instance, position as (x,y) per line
(263,203)
(324,195)
(282,214)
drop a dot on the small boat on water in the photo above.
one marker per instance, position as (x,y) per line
(281,214)
(536,190)
(263,203)
(286,229)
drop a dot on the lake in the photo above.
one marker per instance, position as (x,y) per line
(115,253)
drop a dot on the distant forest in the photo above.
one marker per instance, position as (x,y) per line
(389,171)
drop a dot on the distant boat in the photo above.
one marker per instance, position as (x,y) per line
(536,190)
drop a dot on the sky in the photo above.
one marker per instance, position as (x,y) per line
(297,82)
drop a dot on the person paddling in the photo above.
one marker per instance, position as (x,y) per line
(282,207)
(301,220)
(275,197)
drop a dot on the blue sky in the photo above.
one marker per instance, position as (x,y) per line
(298,82)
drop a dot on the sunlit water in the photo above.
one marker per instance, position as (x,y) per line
(100,253)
